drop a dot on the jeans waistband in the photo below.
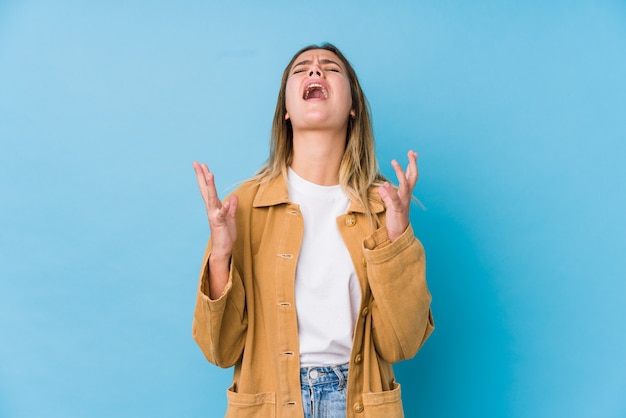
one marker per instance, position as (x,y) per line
(324,374)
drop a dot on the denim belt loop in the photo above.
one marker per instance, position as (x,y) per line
(340,375)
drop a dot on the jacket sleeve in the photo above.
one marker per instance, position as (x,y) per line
(219,326)
(401,316)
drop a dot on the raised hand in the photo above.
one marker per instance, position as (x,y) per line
(223,228)
(398,202)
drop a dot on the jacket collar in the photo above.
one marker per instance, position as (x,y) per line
(275,192)
(271,193)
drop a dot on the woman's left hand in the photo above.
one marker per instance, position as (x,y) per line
(398,201)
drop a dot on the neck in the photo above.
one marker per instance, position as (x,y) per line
(317,155)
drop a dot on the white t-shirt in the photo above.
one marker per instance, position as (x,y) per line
(328,293)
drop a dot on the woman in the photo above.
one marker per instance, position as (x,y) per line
(313,283)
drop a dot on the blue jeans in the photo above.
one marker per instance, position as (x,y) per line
(324,391)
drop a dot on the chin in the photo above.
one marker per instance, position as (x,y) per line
(318,120)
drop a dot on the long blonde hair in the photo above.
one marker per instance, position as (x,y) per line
(359,168)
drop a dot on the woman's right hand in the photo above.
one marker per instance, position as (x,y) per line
(221,215)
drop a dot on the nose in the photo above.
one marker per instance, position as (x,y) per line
(315,70)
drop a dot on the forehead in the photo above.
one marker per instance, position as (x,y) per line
(317,54)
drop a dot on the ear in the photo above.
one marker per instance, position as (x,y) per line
(352,114)
(286,116)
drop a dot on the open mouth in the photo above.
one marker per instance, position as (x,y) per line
(315,91)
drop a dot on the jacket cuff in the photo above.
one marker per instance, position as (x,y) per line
(377,248)
(204,289)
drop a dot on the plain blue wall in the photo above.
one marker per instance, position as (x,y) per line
(517,109)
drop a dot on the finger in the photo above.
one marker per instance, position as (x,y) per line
(399,173)
(390,197)
(411,171)
(233,202)
(212,199)
(410,168)
(197,169)
(226,213)
(200,177)
(220,213)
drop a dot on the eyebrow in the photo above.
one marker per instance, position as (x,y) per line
(322,61)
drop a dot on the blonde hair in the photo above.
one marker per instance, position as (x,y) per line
(359,168)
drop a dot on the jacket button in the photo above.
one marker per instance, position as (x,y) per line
(364,262)
(365,311)
(358,358)
(350,221)
(358,407)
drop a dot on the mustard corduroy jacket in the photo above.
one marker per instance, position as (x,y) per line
(253,325)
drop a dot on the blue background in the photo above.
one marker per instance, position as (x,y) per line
(518,112)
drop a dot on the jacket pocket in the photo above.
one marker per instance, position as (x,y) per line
(386,404)
(250,405)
